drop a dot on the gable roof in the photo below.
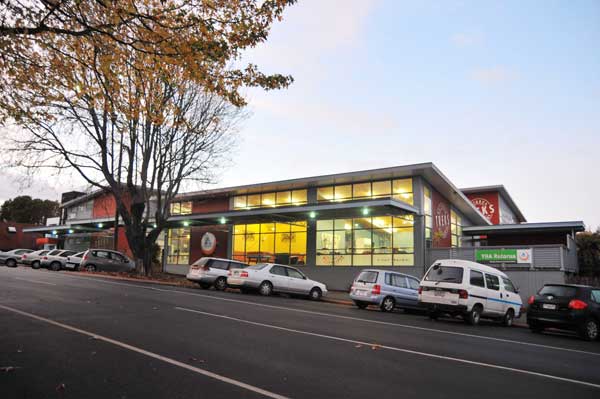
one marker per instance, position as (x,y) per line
(503,192)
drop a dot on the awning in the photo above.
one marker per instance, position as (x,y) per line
(63,229)
(525,228)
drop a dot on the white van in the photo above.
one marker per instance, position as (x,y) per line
(471,290)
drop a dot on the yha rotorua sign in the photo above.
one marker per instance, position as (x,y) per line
(503,255)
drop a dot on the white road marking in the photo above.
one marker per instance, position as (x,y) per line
(34,281)
(407,326)
(396,349)
(149,354)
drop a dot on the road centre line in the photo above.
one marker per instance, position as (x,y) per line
(396,349)
(132,348)
(34,281)
(407,326)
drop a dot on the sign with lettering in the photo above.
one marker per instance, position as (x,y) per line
(503,255)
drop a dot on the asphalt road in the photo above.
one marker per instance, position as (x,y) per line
(68,336)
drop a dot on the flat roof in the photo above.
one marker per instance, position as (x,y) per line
(503,192)
(545,227)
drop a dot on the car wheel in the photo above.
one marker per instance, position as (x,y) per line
(11,263)
(388,303)
(361,305)
(474,316)
(315,294)
(509,317)
(220,284)
(589,330)
(204,286)
(55,266)
(90,268)
(35,265)
(265,288)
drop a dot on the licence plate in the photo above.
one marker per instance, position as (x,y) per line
(439,293)
(360,293)
(548,306)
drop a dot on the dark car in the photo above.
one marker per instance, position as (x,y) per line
(568,307)
(106,260)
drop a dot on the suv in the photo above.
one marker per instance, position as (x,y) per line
(212,271)
(56,259)
(385,289)
(106,260)
(11,258)
(566,306)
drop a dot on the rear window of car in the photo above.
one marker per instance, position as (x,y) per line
(446,274)
(561,291)
(367,277)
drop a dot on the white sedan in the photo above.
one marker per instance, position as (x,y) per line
(268,278)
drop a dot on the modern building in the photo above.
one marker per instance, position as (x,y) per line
(399,218)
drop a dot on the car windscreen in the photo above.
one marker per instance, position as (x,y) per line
(367,277)
(560,291)
(446,274)
(260,266)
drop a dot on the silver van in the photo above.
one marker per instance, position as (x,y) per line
(386,289)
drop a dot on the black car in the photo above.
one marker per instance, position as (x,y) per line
(568,307)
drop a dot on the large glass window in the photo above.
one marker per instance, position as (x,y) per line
(181,208)
(283,243)
(367,241)
(270,200)
(455,228)
(427,210)
(179,246)
(400,189)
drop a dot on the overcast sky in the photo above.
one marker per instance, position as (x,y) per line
(504,92)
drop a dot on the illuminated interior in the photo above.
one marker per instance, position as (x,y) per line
(181,208)
(367,241)
(270,200)
(283,243)
(399,189)
(456,228)
(179,246)
(427,207)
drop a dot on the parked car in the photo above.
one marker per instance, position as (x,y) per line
(568,307)
(106,260)
(34,258)
(471,290)
(212,271)
(13,257)
(74,261)
(56,259)
(268,278)
(385,289)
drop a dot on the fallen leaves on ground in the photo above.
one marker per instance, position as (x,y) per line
(8,369)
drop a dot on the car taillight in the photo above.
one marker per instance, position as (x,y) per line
(376,289)
(420,290)
(229,274)
(24,257)
(576,304)
(463,294)
(244,274)
(531,300)
(206,268)
(194,267)
(85,257)
(45,258)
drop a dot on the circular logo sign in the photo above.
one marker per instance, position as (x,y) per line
(524,255)
(484,206)
(208,243)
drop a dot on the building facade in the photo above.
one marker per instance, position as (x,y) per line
(400,218)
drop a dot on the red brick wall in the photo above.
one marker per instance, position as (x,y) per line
(19,239)
(196,237)
(210,205)
(105,206)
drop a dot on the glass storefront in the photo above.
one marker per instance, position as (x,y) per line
(283,243)
(179,246)
(455,228)
(181,208)
(427,210)
(400,189)
(367,241)
(270,200)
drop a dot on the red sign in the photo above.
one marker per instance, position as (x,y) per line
(487,204)
(441,221)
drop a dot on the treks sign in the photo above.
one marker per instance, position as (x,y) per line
(503,256)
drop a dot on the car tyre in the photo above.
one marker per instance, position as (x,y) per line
(315,294)
(589,330)
(361,305)
(473,317)
(221,284)
(204,286)
(508,318)
(35,264)
(55,266)
(90,268)
(265,288)
(388,304)
(11,263)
